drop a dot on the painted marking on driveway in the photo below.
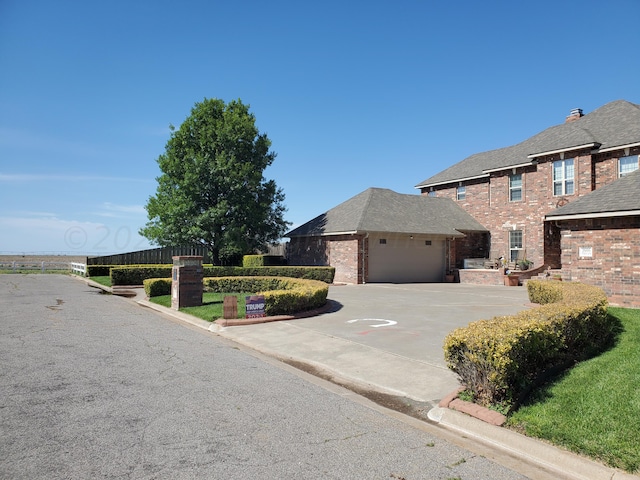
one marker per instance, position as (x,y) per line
(385,323)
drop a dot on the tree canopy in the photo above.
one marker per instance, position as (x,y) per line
(212,191)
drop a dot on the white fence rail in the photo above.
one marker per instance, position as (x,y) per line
(43,267)
(79,268)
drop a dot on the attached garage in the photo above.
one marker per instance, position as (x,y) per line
(402,258)
(383,236)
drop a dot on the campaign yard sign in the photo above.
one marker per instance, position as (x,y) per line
(255,306)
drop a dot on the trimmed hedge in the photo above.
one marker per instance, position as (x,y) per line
(136,274)
(156,287)
(501,359)
(249,261)
(99,270)
(282,295)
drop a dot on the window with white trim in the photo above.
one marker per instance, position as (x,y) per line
(432,193)
(515,244)
(627,165)
(515,187)
(461,192)
(563,173)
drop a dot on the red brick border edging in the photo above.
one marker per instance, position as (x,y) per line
(482,413)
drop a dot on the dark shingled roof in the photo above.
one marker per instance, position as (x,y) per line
(383,210)
(614,124)
(618,197)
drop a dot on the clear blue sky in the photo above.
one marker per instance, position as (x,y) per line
(352,94)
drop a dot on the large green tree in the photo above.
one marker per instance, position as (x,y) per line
(212,191)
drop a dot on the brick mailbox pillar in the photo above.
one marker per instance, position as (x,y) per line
(186,282)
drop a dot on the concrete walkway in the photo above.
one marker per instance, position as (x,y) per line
(388,338)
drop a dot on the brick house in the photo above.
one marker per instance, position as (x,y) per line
(383,236)
(523,194)
(600,239)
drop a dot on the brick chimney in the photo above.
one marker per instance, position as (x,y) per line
(575,114)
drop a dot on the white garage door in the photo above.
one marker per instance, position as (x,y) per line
(396,258)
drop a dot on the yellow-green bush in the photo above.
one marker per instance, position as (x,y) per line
(282,295)
(500,359)
(136,274)
(155,287)
(250,261)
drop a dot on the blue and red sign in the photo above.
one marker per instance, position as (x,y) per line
(255,306)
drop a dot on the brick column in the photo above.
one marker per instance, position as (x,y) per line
(186,284)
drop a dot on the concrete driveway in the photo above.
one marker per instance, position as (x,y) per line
(387,336)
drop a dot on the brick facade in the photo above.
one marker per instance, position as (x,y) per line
(346,253)
(604,252)
(615,265)
(487,200)
(473,245)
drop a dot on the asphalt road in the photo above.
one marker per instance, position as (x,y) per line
(95,386)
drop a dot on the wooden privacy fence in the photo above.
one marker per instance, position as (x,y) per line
(154,256)
(164,255)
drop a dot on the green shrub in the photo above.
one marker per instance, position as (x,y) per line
(501,359)
(98,270)
(136,274)
(249,261)
(282,295)
(155,287)
(544,292)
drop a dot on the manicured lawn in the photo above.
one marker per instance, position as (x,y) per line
(211,308)
(594,409)
(105,280)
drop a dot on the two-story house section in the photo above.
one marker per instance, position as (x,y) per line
(511,190)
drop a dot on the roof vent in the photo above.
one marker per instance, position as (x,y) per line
(575,114)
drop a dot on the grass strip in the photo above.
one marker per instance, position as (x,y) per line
(102,280)
(594,408)
(211,308)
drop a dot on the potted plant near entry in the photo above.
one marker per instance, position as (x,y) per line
(511,279)
(449,276)
(524,264)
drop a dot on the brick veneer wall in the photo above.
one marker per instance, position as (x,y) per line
(474,245)
(481,276)
(345,256)
(487,200)
(605,166)
(615,263)
(343,252)
(308,251)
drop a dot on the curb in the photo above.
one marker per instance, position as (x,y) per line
(561,463)
(482,413)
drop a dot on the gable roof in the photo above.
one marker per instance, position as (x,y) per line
(383,210)
(614,125)
(619,198)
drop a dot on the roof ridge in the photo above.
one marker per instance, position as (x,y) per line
(370,191)
(608,126)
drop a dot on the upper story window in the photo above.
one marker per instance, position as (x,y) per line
(461,192)
(563,183)
(627,165)
(432,193)
(515,187)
